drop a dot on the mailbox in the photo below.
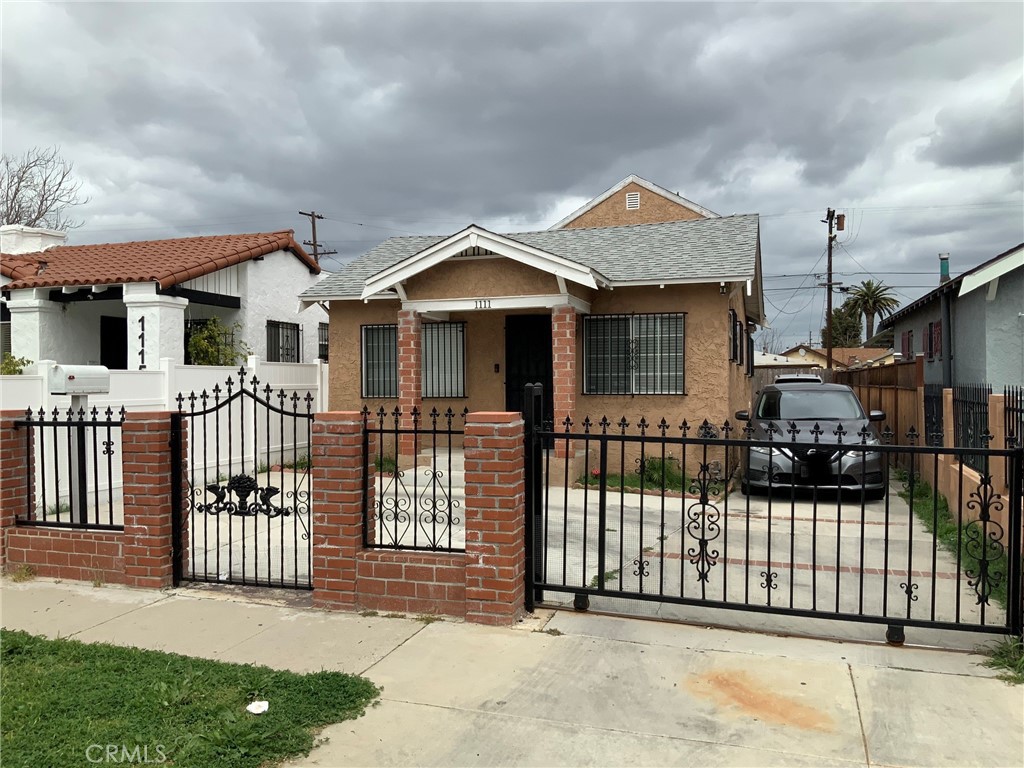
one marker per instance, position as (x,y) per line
(79,380)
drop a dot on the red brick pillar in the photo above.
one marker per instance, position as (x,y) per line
(148,484)
(16,462)
(410,375)
(563,359)
(337,506)
(495,515)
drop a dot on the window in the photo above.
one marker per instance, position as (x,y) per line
(5,330)
(284,342)
(444,359)
(380,361)
(741,341)
(323,341)
(734,342)
(750,353)
(632,201)
(907,345)
(935,348)
(634,354)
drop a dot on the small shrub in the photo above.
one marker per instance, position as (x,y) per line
(1007,655)
(385,464)
(215,344)
(13,366)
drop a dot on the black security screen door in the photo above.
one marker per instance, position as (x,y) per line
(528,359)
(114,342)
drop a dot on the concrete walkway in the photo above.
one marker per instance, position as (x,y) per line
(572,689)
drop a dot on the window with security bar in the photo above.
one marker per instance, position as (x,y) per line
(323,341)
(284,342)
(444,359)
(380,360)
(634,354)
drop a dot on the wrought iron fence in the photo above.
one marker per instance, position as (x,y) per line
(1013,415)
(75,468)
(933,423)
(415,467)
(248,469)
(654,512)
(970,422)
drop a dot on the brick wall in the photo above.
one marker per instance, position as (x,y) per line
(484,584)
(563,351)
(141,555)
(410,373)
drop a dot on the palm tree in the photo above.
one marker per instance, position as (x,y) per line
(870,299)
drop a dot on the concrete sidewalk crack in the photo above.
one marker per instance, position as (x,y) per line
(388,654)
(120,615)
(860,716)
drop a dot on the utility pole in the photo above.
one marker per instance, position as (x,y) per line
(317,253)
(839,222)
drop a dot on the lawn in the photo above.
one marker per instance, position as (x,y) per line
(67,703)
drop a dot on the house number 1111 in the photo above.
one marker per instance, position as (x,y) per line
(483,304)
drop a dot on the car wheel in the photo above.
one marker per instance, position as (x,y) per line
(875,494)
(745,488)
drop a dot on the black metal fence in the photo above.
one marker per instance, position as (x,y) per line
(418,479)
(933,423)
(75,458)
(248,468)
(1013,415)
(654,513)
(970,422)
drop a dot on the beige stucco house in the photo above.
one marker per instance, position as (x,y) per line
(641,303)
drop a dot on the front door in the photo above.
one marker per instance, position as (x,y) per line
(528,360)
(114,342)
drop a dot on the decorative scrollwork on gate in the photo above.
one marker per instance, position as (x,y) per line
(704,522)
(437,509)
(983,541)
(769,578)
(392,508)
(242,487)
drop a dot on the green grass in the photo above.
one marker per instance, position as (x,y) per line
(1007,655)
(934,513)
(61,696)
(608,576)
(301,463)
(654,472)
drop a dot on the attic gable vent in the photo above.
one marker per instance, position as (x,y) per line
(632,201)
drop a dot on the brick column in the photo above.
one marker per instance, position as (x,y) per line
(337,506)
(15,475)
(563,359)
(495,515)
(410,374)
(148,532)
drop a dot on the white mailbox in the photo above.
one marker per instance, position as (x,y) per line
(79,380)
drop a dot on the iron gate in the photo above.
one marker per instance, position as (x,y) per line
(653,512)
(248,505)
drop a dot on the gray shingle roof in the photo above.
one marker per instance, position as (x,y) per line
(704,249)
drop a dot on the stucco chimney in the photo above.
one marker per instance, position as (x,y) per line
(943,268)
(15,239)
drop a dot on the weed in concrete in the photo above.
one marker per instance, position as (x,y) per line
(394,615)
(367,614)
(424,619)
(1006,655)
(21,573)
(552,632)
(608,576)
(58,509)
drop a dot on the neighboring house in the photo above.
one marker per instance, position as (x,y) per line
(842,357)
(650,319)
(970,329)
(771,360)
(126,305)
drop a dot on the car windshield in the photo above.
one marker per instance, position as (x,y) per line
(804,404)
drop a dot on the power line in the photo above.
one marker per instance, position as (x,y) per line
(313,216)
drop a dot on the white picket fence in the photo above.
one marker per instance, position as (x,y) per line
(245,442)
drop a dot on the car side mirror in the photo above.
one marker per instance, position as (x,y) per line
(745,416)
(876,416)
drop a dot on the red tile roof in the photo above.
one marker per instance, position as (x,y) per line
(167,262)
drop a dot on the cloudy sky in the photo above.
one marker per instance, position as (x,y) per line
(187,119)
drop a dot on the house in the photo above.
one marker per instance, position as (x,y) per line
(126,305)
(842,357)
(970,329)
(630,318)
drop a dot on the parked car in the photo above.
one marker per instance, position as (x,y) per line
(800,461)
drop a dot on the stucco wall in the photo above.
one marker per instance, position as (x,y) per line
(1005,331)
(653,208)
(480,277)
(67,333)
(269,291)
(970,345)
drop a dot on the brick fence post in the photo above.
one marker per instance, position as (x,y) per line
(338,477)
(148,485)
(495,517)
(563,362)
(15,474)
(410,378)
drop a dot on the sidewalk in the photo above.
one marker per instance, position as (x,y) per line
(572,689)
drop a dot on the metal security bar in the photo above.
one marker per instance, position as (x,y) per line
(640,354)
(933,423)
(970,422)
(284,342)
(418,479)
(653,513)
(380,360)
(249,486)
(444,360)
(75,462)
(323,341)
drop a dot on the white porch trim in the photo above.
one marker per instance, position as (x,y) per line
(548,301)
(477,237)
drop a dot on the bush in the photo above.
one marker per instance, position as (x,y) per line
(215,344)
(13,366)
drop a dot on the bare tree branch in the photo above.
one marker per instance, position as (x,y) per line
(38,188)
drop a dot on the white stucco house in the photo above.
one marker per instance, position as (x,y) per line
(127,305)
